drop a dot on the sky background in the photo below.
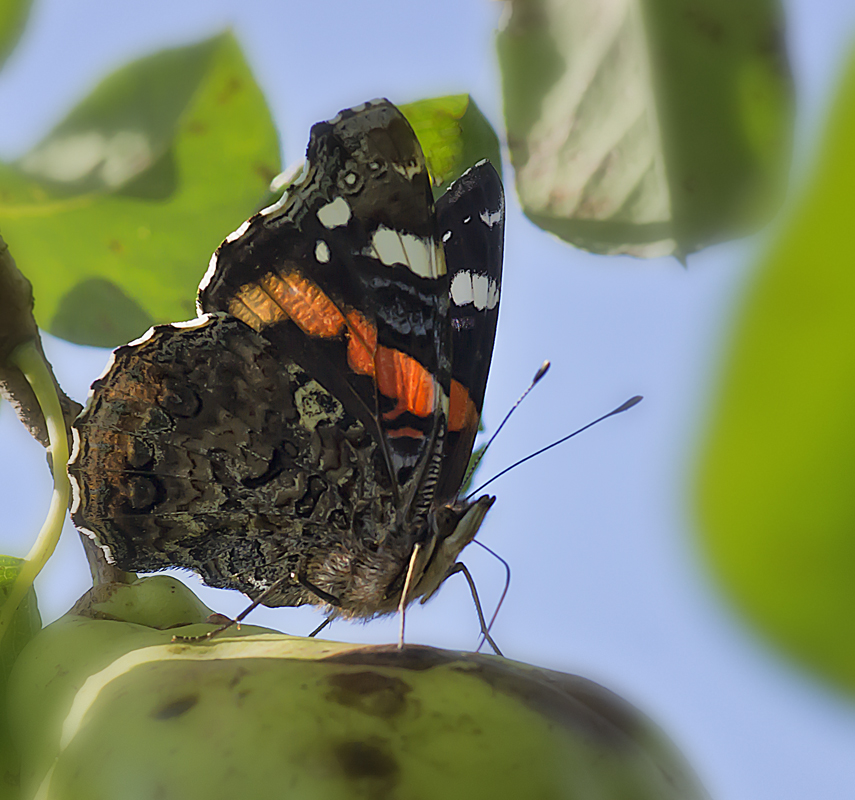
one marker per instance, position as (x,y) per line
(608,580)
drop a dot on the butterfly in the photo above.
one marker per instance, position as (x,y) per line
(305,439)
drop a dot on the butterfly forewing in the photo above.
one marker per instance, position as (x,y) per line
(347,275)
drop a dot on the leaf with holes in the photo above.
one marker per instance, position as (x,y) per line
(648,127)
(113,216)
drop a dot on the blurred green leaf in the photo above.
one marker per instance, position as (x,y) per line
(114,216)
(25,624)
(454,136)
(648,127)
(473,467)
(777,489)
(13,18)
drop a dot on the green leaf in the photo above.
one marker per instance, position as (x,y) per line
(776,490)
(25,624)
(454,136)
(13,18)
(648,127)
(114,216)
(472,468)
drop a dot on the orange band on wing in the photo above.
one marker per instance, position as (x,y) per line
(288,296)
(462,413)
(255,307)
(401,377)
(410,433)
(291,295)
(398,375)
(304,302)
(361,344)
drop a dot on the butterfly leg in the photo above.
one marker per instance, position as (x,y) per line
(320,627)
(485,629)
(301,578)
(273,588)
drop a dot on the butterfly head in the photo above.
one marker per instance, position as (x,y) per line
(452,527)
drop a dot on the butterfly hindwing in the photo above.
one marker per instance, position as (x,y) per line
(471,216)
(204,447)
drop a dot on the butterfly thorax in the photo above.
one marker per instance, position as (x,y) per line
(367,574)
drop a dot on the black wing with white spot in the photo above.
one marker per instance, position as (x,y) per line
(471,216)
(346,274)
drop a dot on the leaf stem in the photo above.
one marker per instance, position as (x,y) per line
(28,358)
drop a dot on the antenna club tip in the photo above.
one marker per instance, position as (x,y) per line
(544,368)
(633,401)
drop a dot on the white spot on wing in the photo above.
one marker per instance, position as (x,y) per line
(443,399)
(234,235)
(490,218)
(408,170)
(75,453)
(108,555)
(199,322)
(292,175)
(480,290)
(461,289)
(493,295)
(446,236)
(420,255)
(334,214)
(272,209)
(322,251)
(206,279)
(77,495)
(388,246)
(134,343)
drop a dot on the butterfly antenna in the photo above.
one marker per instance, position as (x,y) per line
(619,410)
(544,368)
(504,592)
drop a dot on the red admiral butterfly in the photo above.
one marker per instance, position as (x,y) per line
(312,428)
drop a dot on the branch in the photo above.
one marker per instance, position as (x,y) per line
(17,326)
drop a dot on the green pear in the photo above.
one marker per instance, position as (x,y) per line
(105,709)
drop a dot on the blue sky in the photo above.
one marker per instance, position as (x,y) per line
(600,534)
